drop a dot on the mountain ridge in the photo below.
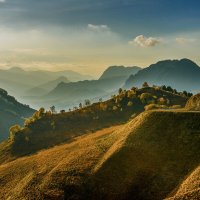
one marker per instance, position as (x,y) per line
(117,71)
(181,74)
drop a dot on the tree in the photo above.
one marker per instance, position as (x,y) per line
(62,111)
(146,98)
(75,108)
(80,105)
(100,100)
(169,89)
(13,130)
(175,91)
(103,106)
(115,108)
(53,109)
(41,112)
(120,91)
(164,87)
(130,103)
(28,121)
(87,102)
(145,84)
(131,94)
(134,89)
(162,101)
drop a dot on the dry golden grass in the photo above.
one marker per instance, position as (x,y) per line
(194,103)
(28,177)
(146,159)
(190,188)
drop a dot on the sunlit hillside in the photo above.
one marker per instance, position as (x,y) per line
(48,128)
(147,158)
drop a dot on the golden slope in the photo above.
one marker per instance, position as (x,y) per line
(190,188)
(145,159)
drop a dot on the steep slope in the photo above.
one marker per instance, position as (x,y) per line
(44,129)
(194,103)
(190,188)
(180,74)
(11,112)
(144,159)
(117,71)
(46,87)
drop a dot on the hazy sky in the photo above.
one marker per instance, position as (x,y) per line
(89,35)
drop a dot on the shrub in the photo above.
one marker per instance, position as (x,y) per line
(176,107)
(151,107)
(131,94)
(130,103)
(103,106)
(115,108)
(162,101)
(145,84)
(13,130)
(146,98)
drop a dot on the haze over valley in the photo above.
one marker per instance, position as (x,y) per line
(99,100)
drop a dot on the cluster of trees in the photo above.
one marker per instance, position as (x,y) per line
(124,101)
(170,89)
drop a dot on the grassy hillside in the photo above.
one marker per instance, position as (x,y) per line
(194,103)
(45,129)
(11,112)
(189,188)
(146,159)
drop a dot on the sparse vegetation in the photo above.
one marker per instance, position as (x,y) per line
(48,128)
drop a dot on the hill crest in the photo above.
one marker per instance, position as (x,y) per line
(114,164)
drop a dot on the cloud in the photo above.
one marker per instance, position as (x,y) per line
(182,40)
(143,41)
(98,28)
(2,1)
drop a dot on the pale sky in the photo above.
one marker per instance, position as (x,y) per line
(89,35)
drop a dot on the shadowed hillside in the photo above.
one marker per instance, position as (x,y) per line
(46,129)
(145,159)
(11,112)
(190,188)
(181,74)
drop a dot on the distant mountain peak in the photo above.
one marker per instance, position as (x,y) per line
(16,69)
(181,74)
(117,71)
(62,78)
(175,61)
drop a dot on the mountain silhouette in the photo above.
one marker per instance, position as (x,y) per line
(181,74)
